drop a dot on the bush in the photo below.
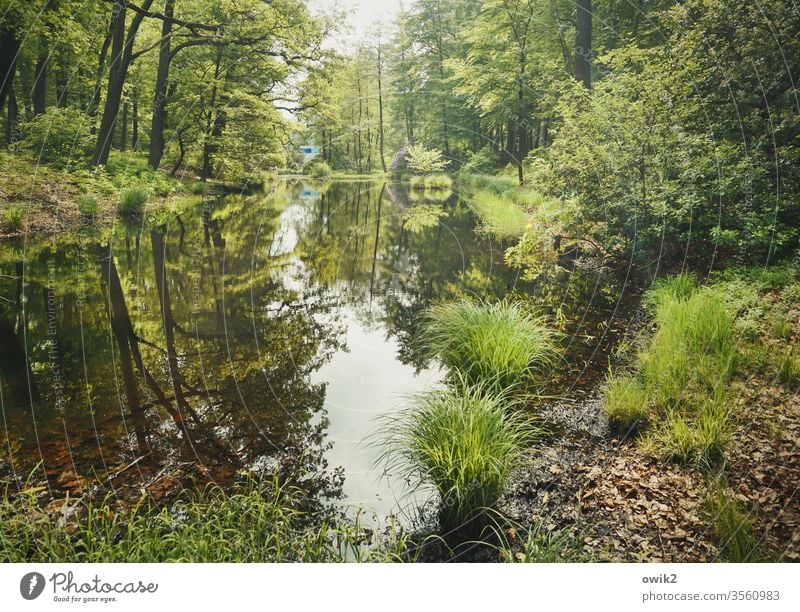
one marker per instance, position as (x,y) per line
(132,200)
(462,441)
(499,345)
(14,216)
(483,161)
(88,205)
(317,169)
(424,161)
(61,136)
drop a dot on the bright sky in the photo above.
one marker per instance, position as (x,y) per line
(363,15)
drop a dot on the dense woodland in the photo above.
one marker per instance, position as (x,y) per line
(664,127)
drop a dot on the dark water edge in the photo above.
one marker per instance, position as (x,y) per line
(263,333)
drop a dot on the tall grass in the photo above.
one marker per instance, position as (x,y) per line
(462,441)
(499,345)
(14,217)
(681,373)
(260,523)
(88,205)
(438,181)
(132,200)
(733,526)
(499,215)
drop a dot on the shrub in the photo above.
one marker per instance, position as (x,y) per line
(424,161)
(499,215)
(500,345)
(483,161)
(14,216)
(462,441)
(317,169)
(132,200)
(625,401)
(88,205)
(60,135)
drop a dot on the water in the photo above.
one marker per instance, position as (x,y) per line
(268,332)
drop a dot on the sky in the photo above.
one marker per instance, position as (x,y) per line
(362,15)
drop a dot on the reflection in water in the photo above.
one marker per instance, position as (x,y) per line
(261,333)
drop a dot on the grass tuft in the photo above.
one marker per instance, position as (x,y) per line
(132,200)
(733,526)
(499,215)
(14,217)
(500,345)
(462,441)
(625,402)
(88,205)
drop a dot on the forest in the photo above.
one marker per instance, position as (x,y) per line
(533,266)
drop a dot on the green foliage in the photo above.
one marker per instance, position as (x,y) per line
(463,441)
(788,366)
(318,169)
(500,345)
(14,216)
(60,136)
(425,161)
(421,217)
(88,204)
(483,161)
(500,216)
(260,523)
(132,200)
(733,526)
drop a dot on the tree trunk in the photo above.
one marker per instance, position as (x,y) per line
(12,123)
(121,52)
(583,42)
(380,110)
(39,94)
(160,96)
(9,48)
(135,134)
(123,137)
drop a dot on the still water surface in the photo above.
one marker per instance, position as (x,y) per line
(265,332)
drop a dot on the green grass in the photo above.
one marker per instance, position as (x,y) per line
(417,182)
(625,402)
(496,184)
(733,526)
(788,366)
(199,188)
(14,216)
(499,215)
(88,205)
(681,374)
(500,345)
(132,200)
(257,524)
(438,181)
(539,544)
(464,442)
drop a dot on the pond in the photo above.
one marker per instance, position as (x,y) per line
(248,333)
